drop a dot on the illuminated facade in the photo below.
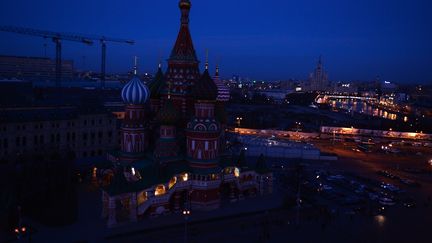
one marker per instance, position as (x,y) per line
(223,89)
(36,131)
(319,79)
(173,147)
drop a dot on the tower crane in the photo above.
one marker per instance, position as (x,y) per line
(103,40)
(58,37)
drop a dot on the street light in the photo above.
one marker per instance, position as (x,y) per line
(20,232)
(186,214)
(239,119)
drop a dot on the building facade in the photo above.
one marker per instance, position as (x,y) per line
(223,89)
(33,68)
(173,154)
(41,131)
(319,78)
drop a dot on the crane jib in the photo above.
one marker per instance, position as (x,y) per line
(57,37)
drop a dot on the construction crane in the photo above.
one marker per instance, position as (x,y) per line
(57,39)
(103,40)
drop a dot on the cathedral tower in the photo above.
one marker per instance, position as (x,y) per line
(134,141)
(183,71)
(203,130)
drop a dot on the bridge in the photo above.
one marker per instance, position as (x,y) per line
(323,98)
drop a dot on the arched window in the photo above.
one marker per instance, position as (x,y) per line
(237,172)
(213,127)
(160,190)
(172,182)
(185,177)
(142,197)
(199,127)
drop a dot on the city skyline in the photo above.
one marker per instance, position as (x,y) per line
(185,155)
(262,42)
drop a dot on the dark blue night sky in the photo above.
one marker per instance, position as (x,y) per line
(272,39)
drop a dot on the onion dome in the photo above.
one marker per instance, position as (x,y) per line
(168,114)
(205,88)
(157,85)
(135,92)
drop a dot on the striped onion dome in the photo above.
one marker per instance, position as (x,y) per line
(135,92)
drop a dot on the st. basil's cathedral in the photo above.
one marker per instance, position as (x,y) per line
(173,154)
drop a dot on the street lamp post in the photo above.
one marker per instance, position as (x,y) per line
(20,232)
(186,214)
(239,119)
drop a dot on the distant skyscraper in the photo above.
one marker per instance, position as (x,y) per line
(223,90)
(319,78)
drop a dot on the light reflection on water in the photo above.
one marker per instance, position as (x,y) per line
(364,108)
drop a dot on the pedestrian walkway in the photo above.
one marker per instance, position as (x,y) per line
(91,228)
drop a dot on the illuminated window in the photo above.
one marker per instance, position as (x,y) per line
(236,172)
(142,197)
(160,190)
(172,182)
(185,177)
(94,173)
